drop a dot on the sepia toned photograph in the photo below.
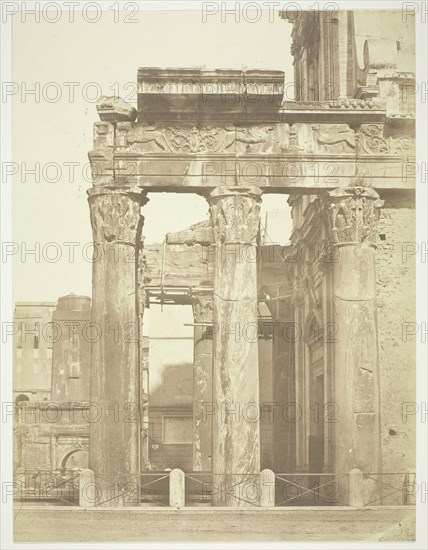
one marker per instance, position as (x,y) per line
(213,255)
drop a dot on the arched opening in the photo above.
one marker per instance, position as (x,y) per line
(76,459)
(20,398)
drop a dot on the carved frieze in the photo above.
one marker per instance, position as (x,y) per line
(205,139)
(403,145)
(336,138)
(255,139)
(174,139)
(235,214)
(115,216)
(353,213)
(315,138)
(139,138)
(270,139)
(372,140)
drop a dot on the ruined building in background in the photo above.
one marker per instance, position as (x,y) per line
(52,355)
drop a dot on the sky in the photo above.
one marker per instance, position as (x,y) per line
(69,65)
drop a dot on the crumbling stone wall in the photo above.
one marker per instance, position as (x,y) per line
(396,307)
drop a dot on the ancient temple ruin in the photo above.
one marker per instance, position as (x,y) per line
(343,152)
(330,399)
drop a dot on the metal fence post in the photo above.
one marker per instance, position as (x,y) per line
(177,497)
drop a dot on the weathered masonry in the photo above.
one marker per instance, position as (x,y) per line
(344,153)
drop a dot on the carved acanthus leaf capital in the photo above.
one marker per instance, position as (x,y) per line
(235,214)
(353,213)
(115,215)
(202,304)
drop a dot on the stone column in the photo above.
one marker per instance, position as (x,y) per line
(236,435)
(202,381)
(284,433)
(283,380)
(353,215)
(114,454)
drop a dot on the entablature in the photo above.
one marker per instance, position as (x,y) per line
(197,130)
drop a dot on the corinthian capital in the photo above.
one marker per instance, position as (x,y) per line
(115,214)
(202,304)
(353,213)
(235,213)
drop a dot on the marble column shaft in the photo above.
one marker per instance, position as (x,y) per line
(353,214)
(236,433)
(283,394)
(202,381)
(114,454)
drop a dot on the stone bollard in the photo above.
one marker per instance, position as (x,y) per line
(177,497)
(355,488)
(409,487)
(267,488)
(86,488)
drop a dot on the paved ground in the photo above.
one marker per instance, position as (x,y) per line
(54,524)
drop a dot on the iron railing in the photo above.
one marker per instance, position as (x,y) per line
(198,488)
(59,486)
(389,488)
(62,487)
(310,489)
(155,488)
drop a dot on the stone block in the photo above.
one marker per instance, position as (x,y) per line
(114,109)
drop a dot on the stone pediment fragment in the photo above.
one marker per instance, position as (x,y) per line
(114,109)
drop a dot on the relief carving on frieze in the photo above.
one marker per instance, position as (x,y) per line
(287,138)
(185,139)
(372,140)
(269,139)
(255,139)
(315,138)
(205,139)
(336,138)
(138,138)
